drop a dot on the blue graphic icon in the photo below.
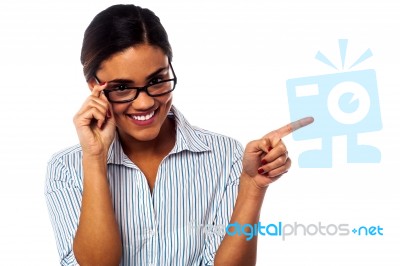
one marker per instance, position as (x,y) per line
(344,103)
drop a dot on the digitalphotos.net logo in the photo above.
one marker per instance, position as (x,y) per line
(286,230)
(344,103)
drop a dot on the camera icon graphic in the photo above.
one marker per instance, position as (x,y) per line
(344,103)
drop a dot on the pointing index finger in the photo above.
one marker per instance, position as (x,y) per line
(98,88)
(291,127)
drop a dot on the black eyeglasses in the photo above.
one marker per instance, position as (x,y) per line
(123,93)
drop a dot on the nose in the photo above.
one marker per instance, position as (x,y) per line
(143,101)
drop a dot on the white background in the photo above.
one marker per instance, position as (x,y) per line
(232,59)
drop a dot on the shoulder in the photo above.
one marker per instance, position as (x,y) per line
(199,139)
(70,154)
(65,165)
(216,140)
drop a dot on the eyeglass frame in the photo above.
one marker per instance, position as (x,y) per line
(140,89)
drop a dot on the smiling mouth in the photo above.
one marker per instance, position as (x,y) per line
(143,117)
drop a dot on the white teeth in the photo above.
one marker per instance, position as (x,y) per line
(143,117)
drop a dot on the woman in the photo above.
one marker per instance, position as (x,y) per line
(143,181)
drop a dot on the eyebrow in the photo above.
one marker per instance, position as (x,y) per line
(155,73)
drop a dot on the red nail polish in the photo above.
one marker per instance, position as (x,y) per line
(102,83)
(263,161)
(269,149)
(108,114)
(260,171)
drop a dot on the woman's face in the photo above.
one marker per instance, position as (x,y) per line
(143,118)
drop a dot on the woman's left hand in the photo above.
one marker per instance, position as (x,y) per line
(266,159)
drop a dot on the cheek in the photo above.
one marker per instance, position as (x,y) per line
(118,109)
(167,100)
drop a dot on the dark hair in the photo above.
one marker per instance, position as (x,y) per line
(117,28)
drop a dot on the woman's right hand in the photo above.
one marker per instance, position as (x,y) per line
(95,123)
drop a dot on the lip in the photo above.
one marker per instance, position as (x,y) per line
(143,122)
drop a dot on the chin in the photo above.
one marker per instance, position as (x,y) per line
(145,138)
(144,135)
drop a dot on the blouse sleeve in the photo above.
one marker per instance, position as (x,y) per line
(63,197)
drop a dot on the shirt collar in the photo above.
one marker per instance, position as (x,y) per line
(187,138)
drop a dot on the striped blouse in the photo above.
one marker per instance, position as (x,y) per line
(196,187)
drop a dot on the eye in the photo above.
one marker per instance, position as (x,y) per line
(155,80)
(119,87)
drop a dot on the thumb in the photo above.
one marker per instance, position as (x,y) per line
(110,119)
(109,126)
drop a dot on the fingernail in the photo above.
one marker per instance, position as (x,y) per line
(108,114)
(102,83)
(263,161)
(260,171)
(269,149)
